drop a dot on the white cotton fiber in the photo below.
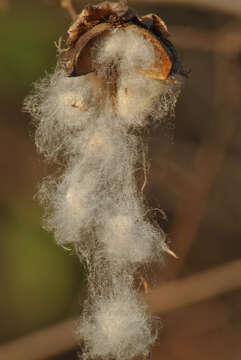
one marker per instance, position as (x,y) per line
(127,238)
(136,89)
(117,327)
(125,47)
(62,107)
(91,126)
(138,96)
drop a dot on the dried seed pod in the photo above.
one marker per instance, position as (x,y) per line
(95,22)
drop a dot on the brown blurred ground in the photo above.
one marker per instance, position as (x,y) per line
(195,179)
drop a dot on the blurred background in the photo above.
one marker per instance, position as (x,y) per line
(195,178)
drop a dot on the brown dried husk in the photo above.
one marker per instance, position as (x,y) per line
(97,21)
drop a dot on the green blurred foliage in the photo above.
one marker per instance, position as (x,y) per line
(40,281)
(27,34)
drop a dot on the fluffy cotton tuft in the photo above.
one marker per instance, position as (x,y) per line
(117,327)
(125,47)
(133,90)
(138,241)
(62,107)
(95,204)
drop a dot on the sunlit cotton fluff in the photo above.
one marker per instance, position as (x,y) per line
(139,98)
(62,107)
(127,238)
(91,125)
(148,94)
(73,204)
(117,327)
(126,47)
(90,188)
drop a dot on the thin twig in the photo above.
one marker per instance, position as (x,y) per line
(144,172)
(232,6)
(195,288)
(170,252)
(42,344)
(145,284)
(67,4)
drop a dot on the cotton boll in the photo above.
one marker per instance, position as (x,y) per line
(117,327)
(90,124)
(139,98)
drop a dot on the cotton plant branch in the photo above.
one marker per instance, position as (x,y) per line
(67,4)
(117,75)
(232,7)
